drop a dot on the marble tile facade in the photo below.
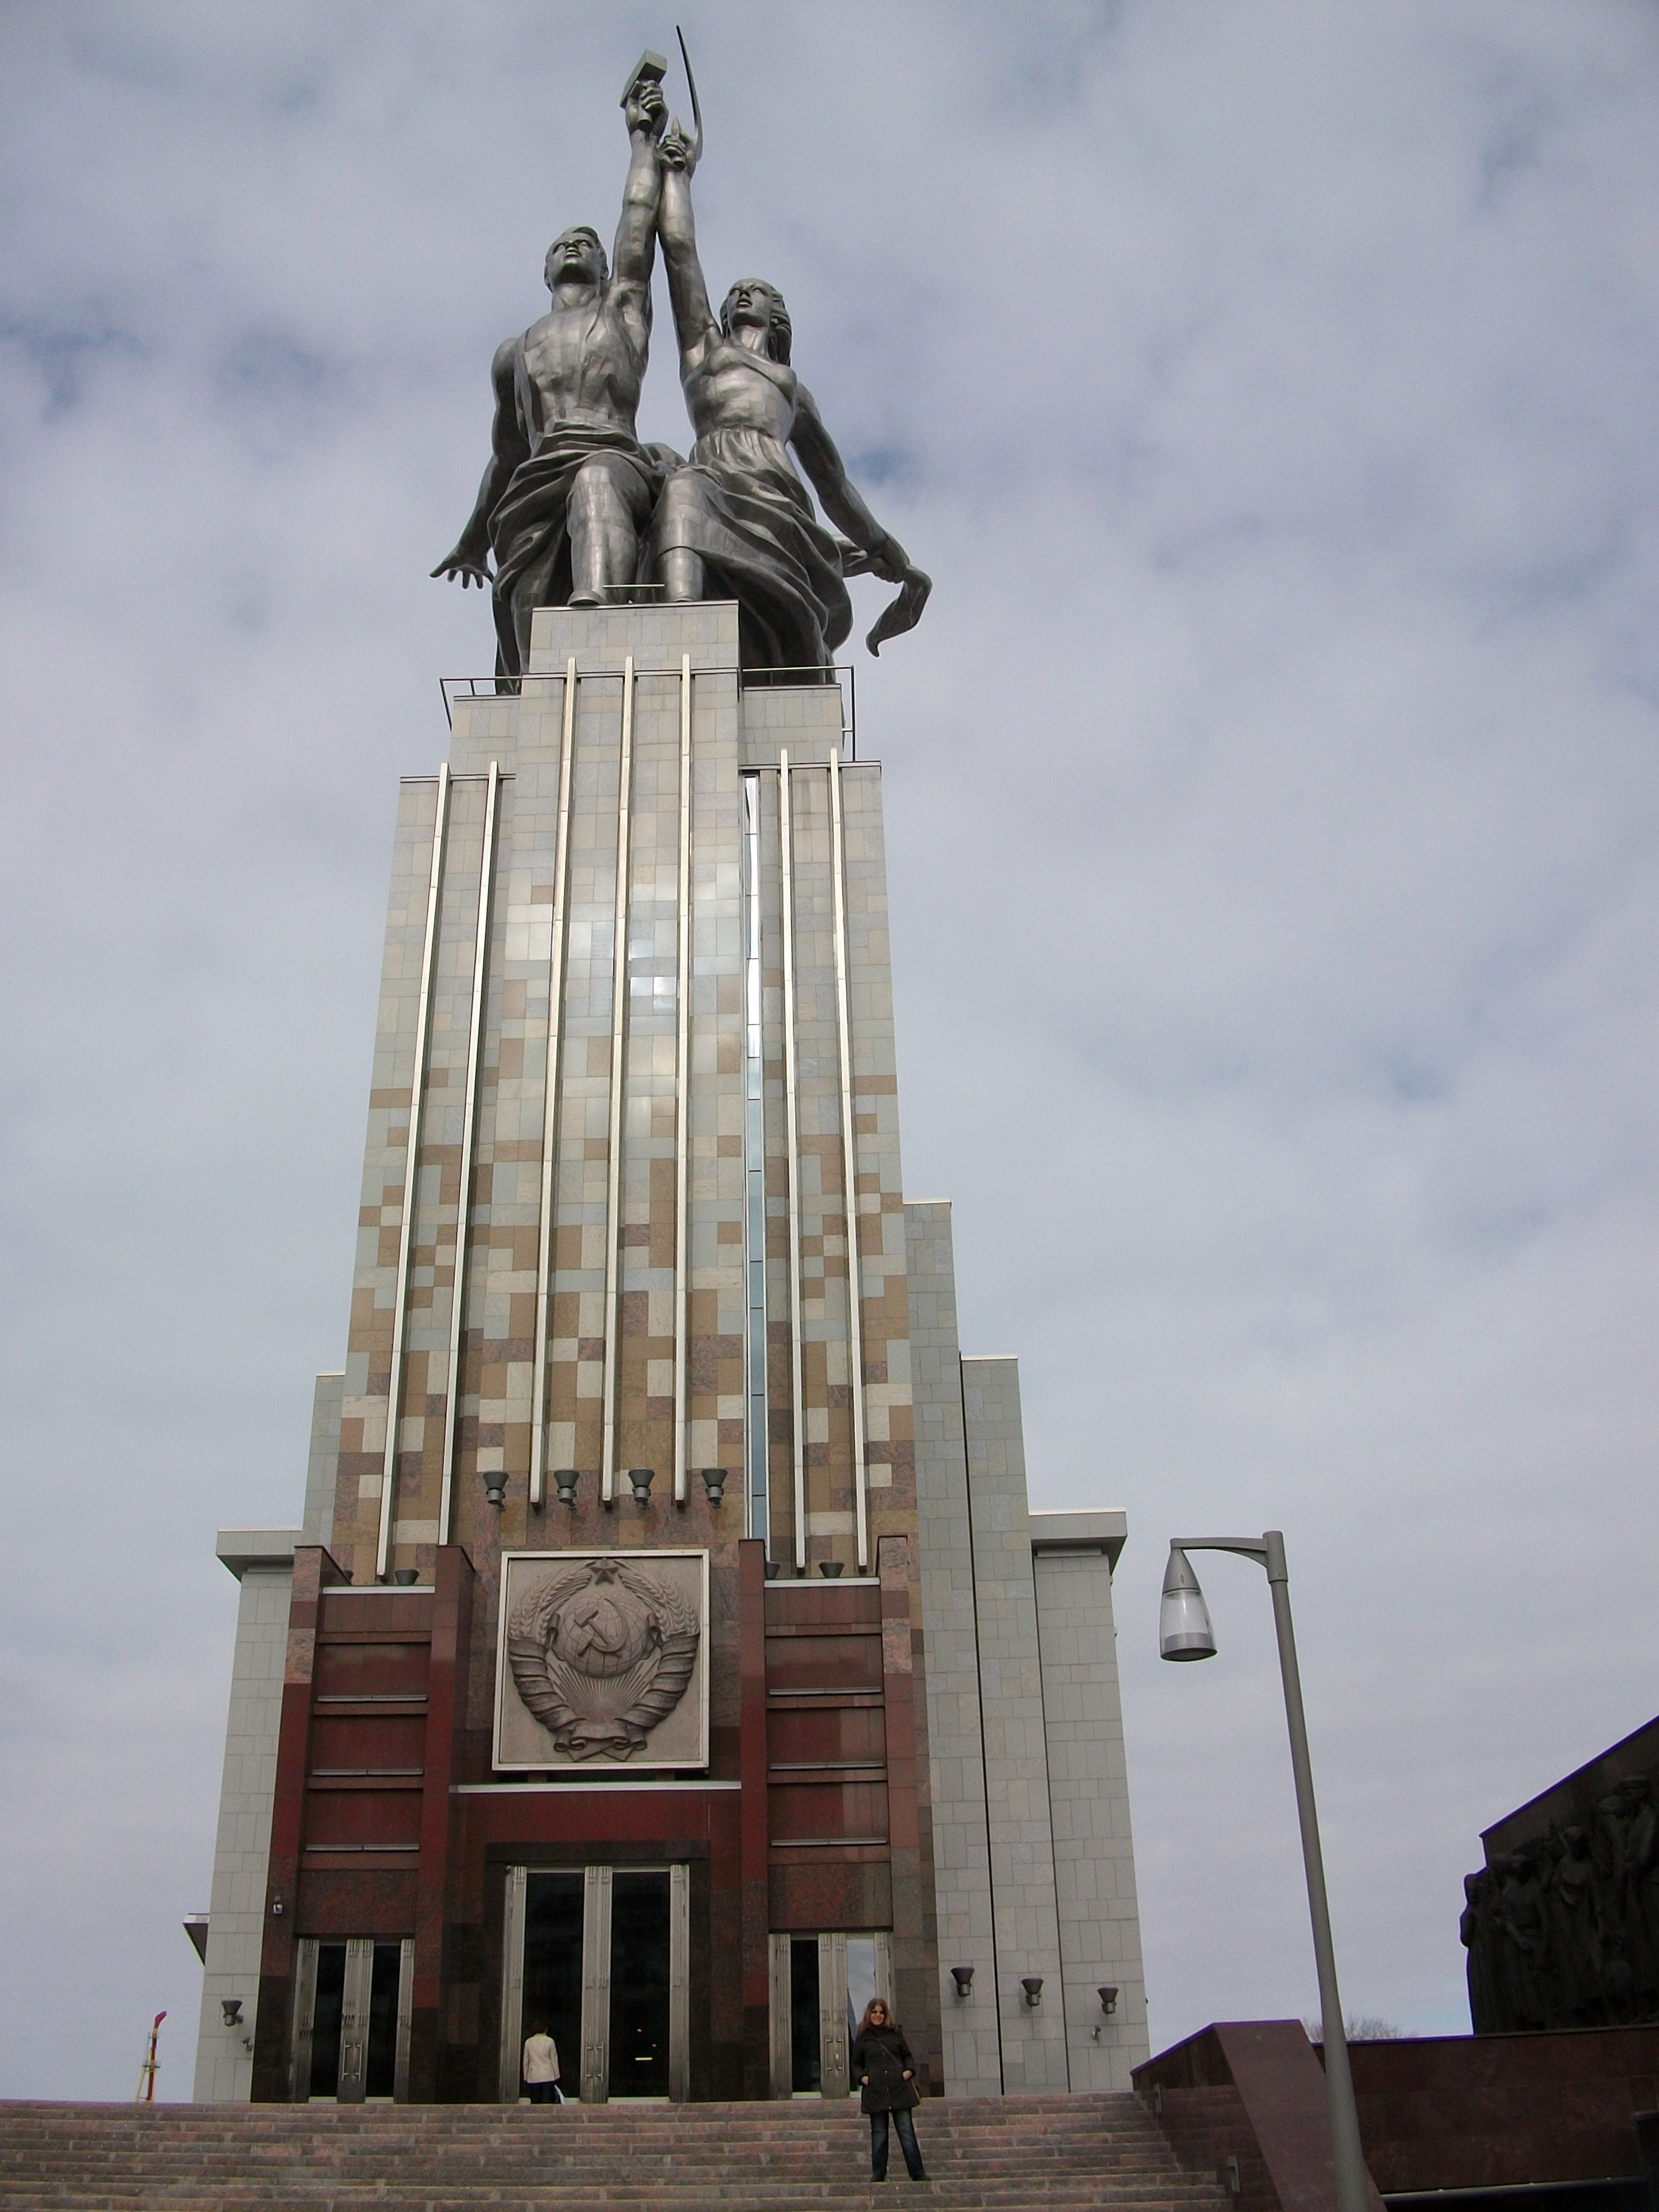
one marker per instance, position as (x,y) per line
(1023,1842)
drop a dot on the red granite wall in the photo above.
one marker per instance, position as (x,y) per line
(1458,2112)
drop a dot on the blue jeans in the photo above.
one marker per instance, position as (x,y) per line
(908,2144)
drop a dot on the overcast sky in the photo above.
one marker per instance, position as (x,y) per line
(1271,786)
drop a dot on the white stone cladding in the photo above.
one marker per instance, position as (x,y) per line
(961,1864)
(1088,1802)
(1035,1866)
(327,1399)
(1034,2056)
(263,1560)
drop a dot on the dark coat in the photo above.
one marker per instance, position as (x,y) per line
(884,2055)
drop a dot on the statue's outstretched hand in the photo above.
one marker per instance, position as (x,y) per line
(467,563)
(888,559)
(902,613)
(675,150)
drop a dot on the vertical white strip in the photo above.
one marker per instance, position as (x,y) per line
(355,2005)
(595,2073)
(618,1034)
(679,1983)
(475,1045)
(683,1093)
(405,2020)
(849,1167)
(792,1125)
(305,2007)
(757,1519)
(512,2052)
(416,1103)
(551,1094)
(833,2072)
(780,2010)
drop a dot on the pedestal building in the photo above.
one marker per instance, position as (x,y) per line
(667,1655)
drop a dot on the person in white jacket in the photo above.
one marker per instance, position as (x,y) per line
(541,2066)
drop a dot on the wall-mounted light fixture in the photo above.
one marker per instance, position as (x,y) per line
(1108,1996)
(565,1479)
(405,1578)
(276,1907)
(231,2009)
(964,1978)
(640,1480)
(494,1479)
(714,1481)
(1032,1985)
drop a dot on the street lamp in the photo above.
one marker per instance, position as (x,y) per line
(1184,1633)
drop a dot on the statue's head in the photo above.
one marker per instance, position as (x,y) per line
(753,302)
(576,253)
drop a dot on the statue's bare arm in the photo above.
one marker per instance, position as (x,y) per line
(508,447)
(884,555)
(694,319)
(873,550)
(635,253)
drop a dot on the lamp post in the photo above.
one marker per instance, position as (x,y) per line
(1184,1633)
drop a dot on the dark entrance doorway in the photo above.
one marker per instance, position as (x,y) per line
(600,1956)
(639,1984)
(805,2049)
(553,1965)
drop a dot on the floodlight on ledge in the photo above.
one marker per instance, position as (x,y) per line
(1183,1619)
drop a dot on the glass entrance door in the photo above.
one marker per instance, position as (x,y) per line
(352,2006)
(821,1984)
(599,1957)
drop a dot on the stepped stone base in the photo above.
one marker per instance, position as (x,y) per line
(1071,2154)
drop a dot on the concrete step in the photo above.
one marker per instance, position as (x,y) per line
(1067,2154)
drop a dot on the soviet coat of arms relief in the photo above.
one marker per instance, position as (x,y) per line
(602,1660)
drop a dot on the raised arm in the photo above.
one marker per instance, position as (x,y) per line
(508,447)
(694,319)
(635,253)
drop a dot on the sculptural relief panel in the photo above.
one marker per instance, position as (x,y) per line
(602,1662)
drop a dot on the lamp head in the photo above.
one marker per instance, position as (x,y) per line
(714,1480)
(964,1978)
(1032,1985)
(565,1479)
(1183,1619)
(1107,1996)
(641,1479)
(231,2009)
(494,1479)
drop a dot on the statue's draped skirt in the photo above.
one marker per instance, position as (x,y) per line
(529,534)
(740,504)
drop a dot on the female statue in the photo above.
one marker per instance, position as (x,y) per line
(737,521)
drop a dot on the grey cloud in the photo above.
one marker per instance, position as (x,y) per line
(65,352)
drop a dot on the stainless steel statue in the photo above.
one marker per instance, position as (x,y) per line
(566,499)
(737,521)
(576,512)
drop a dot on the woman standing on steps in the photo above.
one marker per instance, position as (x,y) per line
(886,2073)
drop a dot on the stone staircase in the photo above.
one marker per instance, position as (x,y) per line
(984,2155)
